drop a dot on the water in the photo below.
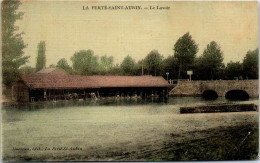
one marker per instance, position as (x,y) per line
(107,128)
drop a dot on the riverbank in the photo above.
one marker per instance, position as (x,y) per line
(212,136)
(109,130)
(224,143)
(218,108)
(218,144)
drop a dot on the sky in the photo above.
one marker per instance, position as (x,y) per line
(67,28)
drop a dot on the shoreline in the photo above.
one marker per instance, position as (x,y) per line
(166,135)
(227,143)
(215,144)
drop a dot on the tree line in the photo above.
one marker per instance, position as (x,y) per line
(207,66)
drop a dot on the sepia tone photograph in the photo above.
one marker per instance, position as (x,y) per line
(129,81)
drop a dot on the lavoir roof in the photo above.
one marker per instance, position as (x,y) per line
(55,81)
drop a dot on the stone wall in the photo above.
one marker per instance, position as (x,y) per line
(221,87)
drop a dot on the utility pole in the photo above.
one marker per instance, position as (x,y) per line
(167,73)
(142,69)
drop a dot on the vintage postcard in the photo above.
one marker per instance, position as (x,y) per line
(129,80)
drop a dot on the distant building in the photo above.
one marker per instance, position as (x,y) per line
(51,71)
(41,87)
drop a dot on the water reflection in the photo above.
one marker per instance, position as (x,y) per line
(100,126)
(177,101)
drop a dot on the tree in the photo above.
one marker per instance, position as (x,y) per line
(26,70)
(234,69)
(128,65)
(200,71)
(115,70)
(84,62)
(12,42)
(106,63)
(41,58)
(185,50)
(211,61)
(250,64)
(63,64)
(52,66)
(152,62)
(140,68)
(170,65)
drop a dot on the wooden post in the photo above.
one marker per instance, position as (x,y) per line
(44,95)
(163,93)
(64,95)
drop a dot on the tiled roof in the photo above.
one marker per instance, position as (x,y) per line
(54,81)
(130,81)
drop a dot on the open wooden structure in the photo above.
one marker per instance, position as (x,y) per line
(42,87)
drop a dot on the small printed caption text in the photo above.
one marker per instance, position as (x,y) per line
(48,149)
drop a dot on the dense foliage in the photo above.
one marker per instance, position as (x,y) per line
(41,57)
(208,66)
(185,50)
(234,70)
(210,63)
(27,70)
(106,63)
(250,64)
(63,64)
(84,62)
(12,42)
(128,66)
(153,62)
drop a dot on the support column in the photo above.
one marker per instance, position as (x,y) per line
(44,95)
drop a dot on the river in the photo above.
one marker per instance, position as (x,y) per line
(107,129)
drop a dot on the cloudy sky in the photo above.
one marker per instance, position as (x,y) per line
(67,28)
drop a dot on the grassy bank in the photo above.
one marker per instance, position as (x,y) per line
(230,143)
(219,108)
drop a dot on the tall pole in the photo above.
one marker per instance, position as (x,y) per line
(142,69)
(167,73)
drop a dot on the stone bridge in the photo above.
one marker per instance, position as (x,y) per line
(220,88)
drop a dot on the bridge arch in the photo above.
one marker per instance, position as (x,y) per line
(210,94)
(237,95)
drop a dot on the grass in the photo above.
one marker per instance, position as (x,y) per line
(233,143)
